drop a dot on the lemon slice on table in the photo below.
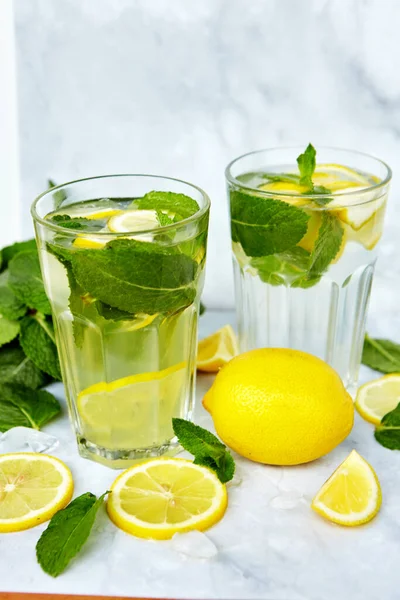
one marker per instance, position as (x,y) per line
(352,495)
(139,407)
(133,220)
(217,349)
(160,497)
(33,487)
(376,398)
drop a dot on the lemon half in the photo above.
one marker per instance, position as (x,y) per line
(161,497)
(217,349)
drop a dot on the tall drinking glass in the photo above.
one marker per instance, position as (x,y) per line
(123,261)
(304,256)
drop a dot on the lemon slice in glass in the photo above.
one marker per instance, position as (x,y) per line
(158,498)
(133,220)
(217,349)
(376,398)
(33,487)
(93,213)
(352,495)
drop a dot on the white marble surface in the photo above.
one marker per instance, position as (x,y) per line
(180,88)
(270,545)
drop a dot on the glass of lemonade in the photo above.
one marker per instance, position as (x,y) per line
(304,249)
(123,261)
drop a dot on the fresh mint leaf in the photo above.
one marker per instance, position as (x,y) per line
(137,276)
(10,251)
(38,342)
(15,367)
(283,268)
(307,163)
(388,432)
(22,406)
(281,177)
(164,219)
(327,245)
(11,306)
(8,330)
(205,447)
(67,532)
(381,355)
(112,314)
(25,280)
(77,223)
(265,226)
(180,204)
(59,196)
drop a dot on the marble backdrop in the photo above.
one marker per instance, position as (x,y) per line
(180,87)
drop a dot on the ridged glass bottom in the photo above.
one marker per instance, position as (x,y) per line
(327,320)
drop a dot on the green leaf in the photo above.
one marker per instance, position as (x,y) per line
(11,306)
(388,432)
(205,447)
(137,276)
(38,342)
(59,196)
(381,355)
(67,532)
(164,219)
(10,251)
(77,223)
(180,204)
(265,226)
(21,406)
(15,367)
(202,309)
(25,280)
(307,163)
(283,268)
(8,330)
(281,177)
(327,245)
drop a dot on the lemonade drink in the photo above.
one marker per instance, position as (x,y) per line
(124,274)
(305,238)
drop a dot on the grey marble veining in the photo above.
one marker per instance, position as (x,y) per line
(180,88)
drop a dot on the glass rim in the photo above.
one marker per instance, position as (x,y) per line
(344,194)
(58,229)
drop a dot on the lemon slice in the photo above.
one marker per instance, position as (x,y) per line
(89,242)
(94,214)
(33,487)
(352,495)
(217,349)
(134,411)
(376,398)
(336,176)
(371,232)
(164,496)
(133,220)
(282,187)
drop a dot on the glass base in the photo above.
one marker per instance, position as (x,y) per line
(122,459)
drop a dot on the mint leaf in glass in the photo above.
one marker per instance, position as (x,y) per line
(82,223)
(25,280)
(67,532)
(205,447)
(265,226)
(387,433)
(381,355)
(283,268)
(38,342)
(307,163)
(137,277)
(21,406)
(177,204)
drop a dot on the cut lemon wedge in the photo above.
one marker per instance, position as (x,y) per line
(139,407)
(158,498)
(376,398)
(352,495)
(217,349)
(33,487)
(133,220)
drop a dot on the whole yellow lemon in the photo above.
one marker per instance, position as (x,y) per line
(280,406)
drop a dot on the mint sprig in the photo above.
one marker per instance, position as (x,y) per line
(387,433)
(22,406)
(206,448)
(67,532)
(25,280)
(381,355)
(38,342)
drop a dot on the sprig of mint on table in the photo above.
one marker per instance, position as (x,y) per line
(28,354)
(206,448)
(384,356)
(269,230)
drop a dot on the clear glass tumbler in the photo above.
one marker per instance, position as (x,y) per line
(123,261)
(304,256)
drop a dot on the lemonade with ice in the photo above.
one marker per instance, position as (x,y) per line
(304,240)
(124,276)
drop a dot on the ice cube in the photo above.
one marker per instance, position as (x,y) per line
(194,544)
(24,439)
(286,499)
